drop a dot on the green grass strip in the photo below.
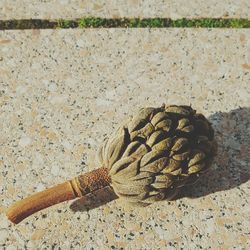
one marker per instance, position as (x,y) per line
(96,22)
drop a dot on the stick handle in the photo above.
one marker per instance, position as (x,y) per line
(77,187)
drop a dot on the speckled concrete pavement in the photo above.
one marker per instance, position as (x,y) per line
(123,8)
(62,91)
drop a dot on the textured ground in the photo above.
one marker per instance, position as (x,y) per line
(62,91)
(123,8)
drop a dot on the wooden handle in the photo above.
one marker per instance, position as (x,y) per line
(77,187)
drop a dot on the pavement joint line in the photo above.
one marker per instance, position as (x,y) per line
(97,22)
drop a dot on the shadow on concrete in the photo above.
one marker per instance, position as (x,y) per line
(232,164)
(230,169)
(94,200)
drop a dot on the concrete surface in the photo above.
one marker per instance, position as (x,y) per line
(62,91)
(123,8)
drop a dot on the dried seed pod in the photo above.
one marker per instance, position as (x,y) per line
(178,145)
(148,158)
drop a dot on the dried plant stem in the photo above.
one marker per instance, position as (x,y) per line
(77,187)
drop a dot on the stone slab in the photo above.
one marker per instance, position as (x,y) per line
(21,9)
(62,91)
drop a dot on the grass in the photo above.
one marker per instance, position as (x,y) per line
(96,22)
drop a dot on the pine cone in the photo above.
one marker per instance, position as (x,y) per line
(158,151)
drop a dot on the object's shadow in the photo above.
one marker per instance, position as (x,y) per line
(93,200)
(230,169)
(231,166)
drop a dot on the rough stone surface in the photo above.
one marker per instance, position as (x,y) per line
(62,91)
(123,8)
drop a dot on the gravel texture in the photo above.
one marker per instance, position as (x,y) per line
(123,8)
(62,91)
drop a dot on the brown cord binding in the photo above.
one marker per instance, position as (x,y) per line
(77,187)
